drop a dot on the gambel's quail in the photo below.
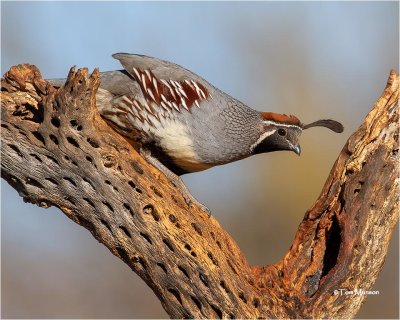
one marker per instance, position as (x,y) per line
(182,124)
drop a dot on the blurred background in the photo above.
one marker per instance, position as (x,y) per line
(311,59)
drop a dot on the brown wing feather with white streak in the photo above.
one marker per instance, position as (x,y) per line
(153,91)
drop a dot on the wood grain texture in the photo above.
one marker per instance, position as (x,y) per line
(57,151)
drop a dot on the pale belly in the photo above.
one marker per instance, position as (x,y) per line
(174,139)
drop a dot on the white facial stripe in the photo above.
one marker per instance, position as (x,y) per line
(282,124)
(261,138)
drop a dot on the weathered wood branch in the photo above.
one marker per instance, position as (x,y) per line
(57,151)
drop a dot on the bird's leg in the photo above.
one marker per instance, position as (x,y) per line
(173,178)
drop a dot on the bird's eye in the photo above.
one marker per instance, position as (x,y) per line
(282,132)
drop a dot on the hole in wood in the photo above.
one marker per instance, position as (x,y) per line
(204,279)
(16,183)
(22,133)
(70,181)
(33,182)
(188,247)
(197,228)
(162,266)
(156,191)
(196,302)
(176,294)
(224,286)
(55,122)
(93,142)
(333,240)
(212,258)
(148,209)
(54,139)
(130,182)
(358,189)
(52,181)
(39,137)
(168,244)
(183,270)
(36,157)
(125,230)
(108,206)
(88,158)
(256,302)
(127,207)
(124,255)
(70,200)
(155,215)
(172,218)
(217,311)
(73,142)
(73,123)
(137,167)
(142,262)
(88,182)
(17,151)
(109,160)
(146,237)
(242,297)
(44,204)
(52,159)
(363,164)
(104,223)
(3,125)
(89,202)
(193,254)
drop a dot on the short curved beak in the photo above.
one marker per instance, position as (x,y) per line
(297,149)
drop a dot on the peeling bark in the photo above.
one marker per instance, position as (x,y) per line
(57,151)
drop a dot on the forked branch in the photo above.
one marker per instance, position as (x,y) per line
(57,151)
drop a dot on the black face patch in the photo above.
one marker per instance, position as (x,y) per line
(281,139)
(269,144)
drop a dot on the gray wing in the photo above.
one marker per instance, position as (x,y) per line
(165,84)
(160,68)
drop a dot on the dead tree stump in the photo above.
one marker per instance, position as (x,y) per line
(57,151)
